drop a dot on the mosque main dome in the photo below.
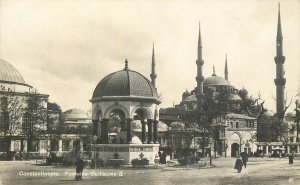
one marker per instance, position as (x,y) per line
(215,80)
(125,83)
(9,74)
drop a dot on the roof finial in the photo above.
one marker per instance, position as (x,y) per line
(126,64)
(214,71)
(279,31)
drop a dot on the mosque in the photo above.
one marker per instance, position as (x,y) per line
(234,132)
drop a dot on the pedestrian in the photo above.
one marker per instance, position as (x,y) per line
(238,164)
(160,157)
(291,159)
(164,158)
(245,159)
(79,164)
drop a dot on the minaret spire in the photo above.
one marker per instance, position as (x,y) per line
(153,75)
(279,60)
(279,31)
(214,71)
(126,64)
(226,68)
(199,78)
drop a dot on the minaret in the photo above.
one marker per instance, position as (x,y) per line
(279,60)
(199,78)
(226,68)
(153,75)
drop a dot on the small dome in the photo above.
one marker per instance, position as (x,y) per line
(162,127)
(186,93)
(269,113)
(235,97)
(75,114)
(125,83)
(177,126)
(290,116)
(215,80)
(9,73)
(191,98)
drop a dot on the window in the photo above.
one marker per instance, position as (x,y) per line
(54,145)
(26,123)
(86,147)
(34,146)
(76,144)
(236,125)
(65,145)
(16,145)
(4,121)
(4,103)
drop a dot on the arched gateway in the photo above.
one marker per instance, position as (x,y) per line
(118,99)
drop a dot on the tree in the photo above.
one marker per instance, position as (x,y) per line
(12,106)
(35,123)
(54,117)
(200,119)
(251,106)
(297,116)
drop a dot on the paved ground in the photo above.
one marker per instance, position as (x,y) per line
(264,171)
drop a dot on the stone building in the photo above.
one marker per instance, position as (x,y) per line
(23,114)
(73,133)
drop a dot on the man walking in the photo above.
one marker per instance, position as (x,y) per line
(245,158)
(291,159)
(79,164)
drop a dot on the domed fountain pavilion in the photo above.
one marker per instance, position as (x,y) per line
(119,99)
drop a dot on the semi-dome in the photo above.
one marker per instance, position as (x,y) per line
(75,114)
(9,74)
(215,80)
(125,83)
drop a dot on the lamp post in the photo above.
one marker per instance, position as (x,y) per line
(95,139)
(210,143)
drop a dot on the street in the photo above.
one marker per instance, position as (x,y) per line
(263,171)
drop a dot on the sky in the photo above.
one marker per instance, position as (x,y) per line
(65,47)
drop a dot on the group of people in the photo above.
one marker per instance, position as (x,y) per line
(240,162)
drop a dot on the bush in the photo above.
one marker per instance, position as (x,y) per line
(140,162)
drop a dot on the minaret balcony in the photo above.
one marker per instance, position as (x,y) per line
(280,81)
(199,78)
(279,59)
(153,75)
(201,62)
